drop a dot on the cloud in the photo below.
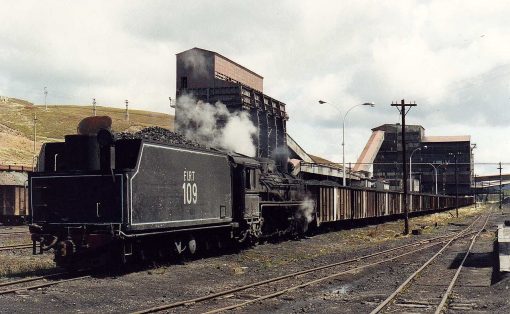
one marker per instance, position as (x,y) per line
(450,57)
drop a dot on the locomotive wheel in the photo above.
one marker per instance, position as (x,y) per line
(219,243)
(207,245)
(192,245)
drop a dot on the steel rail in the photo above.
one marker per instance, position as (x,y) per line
(15,282)
(47,284)
(390,298)
(308,283)
(14,232)
(295,274)
(15,247)
(454,279)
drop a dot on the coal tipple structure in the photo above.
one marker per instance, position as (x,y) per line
(210,77)
(450,155)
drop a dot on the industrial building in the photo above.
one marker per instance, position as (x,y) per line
(437,161)
(211,77)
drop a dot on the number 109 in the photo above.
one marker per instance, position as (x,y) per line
(190,192)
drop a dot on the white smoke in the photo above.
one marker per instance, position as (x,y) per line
(307,208)
(215,126)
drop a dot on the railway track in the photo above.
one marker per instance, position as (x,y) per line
(257,291)
(16,247)
(419,292)
(19,285)
(14,232)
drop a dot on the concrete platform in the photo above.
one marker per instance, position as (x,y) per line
(504,248)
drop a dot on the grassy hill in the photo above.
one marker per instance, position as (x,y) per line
(17,125)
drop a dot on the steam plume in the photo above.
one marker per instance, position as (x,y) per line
(215,126)
(306,208)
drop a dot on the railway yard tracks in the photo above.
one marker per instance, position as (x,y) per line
(17,234)
(428,289)
(15,247)
(256,292)
(15,286)
(13,232)
(430,286)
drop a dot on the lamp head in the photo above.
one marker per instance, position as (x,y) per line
(371,104)
(322,102)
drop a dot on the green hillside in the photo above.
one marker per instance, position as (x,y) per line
(17,125)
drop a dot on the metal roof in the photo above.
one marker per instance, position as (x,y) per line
(454,138)
(222,56)
(323,161)
(13,178)
(385,127)
(370,151)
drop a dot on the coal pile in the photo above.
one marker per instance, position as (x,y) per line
(160,135)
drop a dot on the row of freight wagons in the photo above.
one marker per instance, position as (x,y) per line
(344,203)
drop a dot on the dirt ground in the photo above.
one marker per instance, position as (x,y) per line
(359,292)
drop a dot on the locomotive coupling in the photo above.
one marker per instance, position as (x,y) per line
(33,228)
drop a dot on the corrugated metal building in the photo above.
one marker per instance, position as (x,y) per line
(384,149)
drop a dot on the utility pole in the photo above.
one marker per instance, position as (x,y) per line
(475,189)
(483,191)
(500,186)
(45,96)
(126,115)
(349,172)
(35,131)
(456,188)
(94,106)
(403,112)
(171,106)
(472,167)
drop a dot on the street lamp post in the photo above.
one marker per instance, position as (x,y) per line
(472,166)
(343,135)
(435,175)
(456,184)
(500,186)
(411,186)
(475,190)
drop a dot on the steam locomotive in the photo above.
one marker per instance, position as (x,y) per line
(98,198)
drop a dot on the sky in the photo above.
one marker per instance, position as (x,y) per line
(450,57)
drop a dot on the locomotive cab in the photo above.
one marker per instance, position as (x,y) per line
(77,198)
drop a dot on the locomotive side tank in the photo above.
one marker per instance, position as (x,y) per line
(174,187)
